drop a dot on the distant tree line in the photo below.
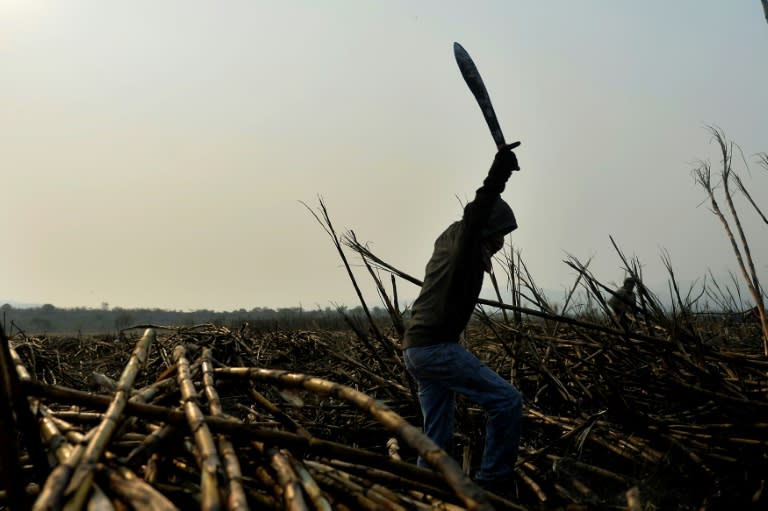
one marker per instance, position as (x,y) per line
(50,320)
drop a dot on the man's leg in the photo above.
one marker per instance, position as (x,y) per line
(437,406)
(437,401)
(503,405)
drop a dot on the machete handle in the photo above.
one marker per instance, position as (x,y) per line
(508,147)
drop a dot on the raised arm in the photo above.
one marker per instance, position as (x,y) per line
(476,213)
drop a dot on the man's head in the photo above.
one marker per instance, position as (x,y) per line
(500,223)
(501,220)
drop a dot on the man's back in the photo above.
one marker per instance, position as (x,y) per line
(452,283)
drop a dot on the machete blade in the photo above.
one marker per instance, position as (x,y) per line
(475,82)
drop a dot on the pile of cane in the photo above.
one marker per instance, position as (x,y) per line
(665,420)
(206,417)
(179,429)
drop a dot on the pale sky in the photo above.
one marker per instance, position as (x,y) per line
(154,153)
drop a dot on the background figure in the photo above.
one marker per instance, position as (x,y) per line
(623,303)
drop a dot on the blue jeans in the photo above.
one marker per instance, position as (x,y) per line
(441,371)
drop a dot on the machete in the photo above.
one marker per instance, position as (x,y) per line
(475,82)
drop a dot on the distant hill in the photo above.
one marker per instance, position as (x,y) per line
(48,319)
(20,305)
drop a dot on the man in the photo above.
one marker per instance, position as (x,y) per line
(623,303)
(432,353)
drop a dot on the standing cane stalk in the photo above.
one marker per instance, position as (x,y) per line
(703,176)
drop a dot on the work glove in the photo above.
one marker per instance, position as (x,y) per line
(505,159)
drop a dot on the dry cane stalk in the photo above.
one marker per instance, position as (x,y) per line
(533,485)
(122,481)
(524,310)
(236,499)
(278,414)
(310,486)
(69,457)
(380,492)
(135,491)
(230,427)
(351,241)
(703,176)
(329,229)
(498,295)
(15,417)
(366,498)
(291,475)
(209,459)
(381,495)
(421,490)
(264,476)
(151,442)
(472,496)
(589,468)
(361,502)
(753,283)
(288,480)
(83,475)
(288,485)
(51,494)
(413,499)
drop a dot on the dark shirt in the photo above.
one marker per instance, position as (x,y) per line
(454,274)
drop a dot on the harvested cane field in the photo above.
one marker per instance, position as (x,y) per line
(669,414)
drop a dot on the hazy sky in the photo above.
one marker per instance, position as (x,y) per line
(154,153)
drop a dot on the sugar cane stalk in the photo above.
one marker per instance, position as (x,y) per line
(236,499)
(472,496)
(210,465)
(83,475)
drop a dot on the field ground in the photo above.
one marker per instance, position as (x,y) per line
(645,419)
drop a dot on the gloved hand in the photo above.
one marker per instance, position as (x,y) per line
(506,160)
